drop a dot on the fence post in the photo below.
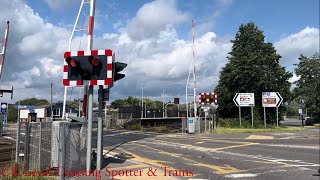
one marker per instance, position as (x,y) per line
(40,138)
(26,147)
(1,124)
(61,150)
(16,164)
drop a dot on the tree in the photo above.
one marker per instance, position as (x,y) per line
(33,102)
(253,67)
(308,86)
(130,102)
(12,114)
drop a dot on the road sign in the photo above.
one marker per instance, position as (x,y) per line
(244,99)
(23,107)
(271,99)
(91,68)
(300,111)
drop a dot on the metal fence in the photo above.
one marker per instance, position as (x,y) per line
(56,146)
(7,144)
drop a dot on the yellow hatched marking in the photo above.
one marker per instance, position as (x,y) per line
(217,169)
(259,137)
(235,146)
(226,169)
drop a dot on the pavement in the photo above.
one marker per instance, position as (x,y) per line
(149,155)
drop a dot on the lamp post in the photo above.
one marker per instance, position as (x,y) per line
(142,101)
(163,102)
(302,117)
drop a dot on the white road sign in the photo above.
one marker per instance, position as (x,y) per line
(271,99)
(244,99)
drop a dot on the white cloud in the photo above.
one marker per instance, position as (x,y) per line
(305,42)
(164,63)
(154,17)
(149,44)
(35,49)
(294,78)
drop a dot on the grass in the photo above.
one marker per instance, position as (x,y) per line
(224,130)
(317,125)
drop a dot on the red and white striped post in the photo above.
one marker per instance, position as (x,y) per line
(4,45)
(89,97)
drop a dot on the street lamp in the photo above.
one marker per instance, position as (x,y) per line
(142,101)
(163,102)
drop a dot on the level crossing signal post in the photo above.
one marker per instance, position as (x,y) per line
(92,68)
(206,100)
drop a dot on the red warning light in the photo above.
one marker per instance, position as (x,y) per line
(92,60)
(71,62)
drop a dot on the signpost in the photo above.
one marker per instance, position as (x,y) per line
(244,100)
(271,99)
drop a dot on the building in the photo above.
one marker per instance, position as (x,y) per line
(43,113)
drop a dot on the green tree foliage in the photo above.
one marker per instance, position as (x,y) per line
(12,114)
(33,102)
(292,108)
(151,104)
(253,67)
(308,86)
(131,101)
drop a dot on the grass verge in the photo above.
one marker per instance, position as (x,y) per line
(317,125)
(223,130)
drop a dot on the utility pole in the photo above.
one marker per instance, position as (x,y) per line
(51,102)
(142,109)
(163,103)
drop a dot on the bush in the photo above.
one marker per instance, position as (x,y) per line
(245,123)
(134,127)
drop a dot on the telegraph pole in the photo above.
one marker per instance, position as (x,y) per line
(51,102)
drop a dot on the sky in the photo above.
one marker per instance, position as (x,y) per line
(153,37)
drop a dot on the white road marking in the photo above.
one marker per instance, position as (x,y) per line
(271,171)
(241,175)
(290,146)
(293,163)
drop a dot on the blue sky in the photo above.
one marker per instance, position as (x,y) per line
(153,37)
(277,18)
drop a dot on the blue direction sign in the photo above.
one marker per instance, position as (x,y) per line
(23,107)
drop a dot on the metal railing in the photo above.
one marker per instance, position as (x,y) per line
(56,146)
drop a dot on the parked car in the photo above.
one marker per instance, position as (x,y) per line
(311,121)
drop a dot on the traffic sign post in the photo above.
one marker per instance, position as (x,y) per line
(271,99)
(244,100)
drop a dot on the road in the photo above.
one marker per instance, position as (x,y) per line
(132,155)
(292,122)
